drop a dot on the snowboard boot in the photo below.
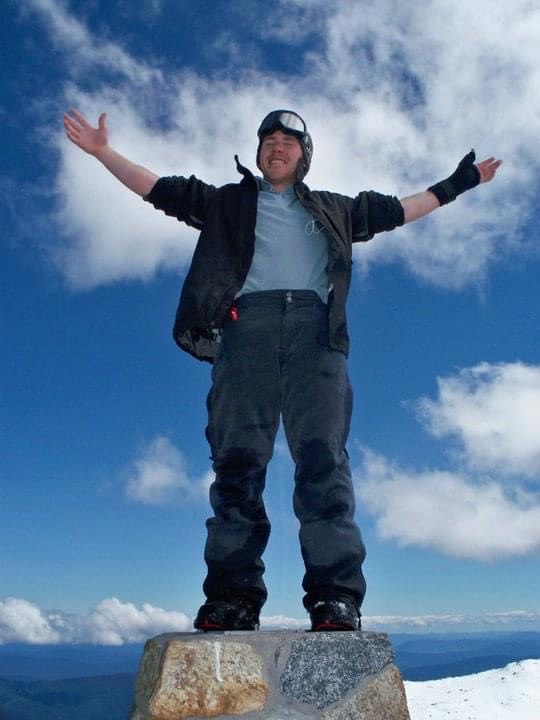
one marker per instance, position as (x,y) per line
(334,614)
(220,615)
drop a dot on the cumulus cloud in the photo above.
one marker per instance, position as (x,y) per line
(389,106)
(487,506)
(111,622)
(414,109)
(22,621)
(158,476)
(453,513)
(494,412)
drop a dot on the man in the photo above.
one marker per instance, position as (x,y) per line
(264,301)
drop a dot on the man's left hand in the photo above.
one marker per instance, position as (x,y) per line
(488,168)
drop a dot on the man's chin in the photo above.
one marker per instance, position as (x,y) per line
(279,178)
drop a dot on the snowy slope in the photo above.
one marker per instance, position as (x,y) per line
(510,693)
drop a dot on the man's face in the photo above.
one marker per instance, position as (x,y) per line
(279,157)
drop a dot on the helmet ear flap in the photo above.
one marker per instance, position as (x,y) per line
(301,170)
(307,153)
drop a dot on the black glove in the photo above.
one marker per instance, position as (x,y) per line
(465,177)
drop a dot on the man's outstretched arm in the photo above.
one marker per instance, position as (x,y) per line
(466,176)
(95,141)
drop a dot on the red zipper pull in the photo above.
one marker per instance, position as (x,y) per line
(233,313)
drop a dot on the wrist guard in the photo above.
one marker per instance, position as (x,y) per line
(465,177)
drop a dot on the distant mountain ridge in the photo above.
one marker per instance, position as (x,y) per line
(58,662)
(94,698)
(433,656)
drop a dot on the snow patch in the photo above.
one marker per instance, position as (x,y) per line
(510,693)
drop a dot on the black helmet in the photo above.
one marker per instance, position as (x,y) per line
(292,124)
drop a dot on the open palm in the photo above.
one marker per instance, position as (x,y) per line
(80,132)
(488,168)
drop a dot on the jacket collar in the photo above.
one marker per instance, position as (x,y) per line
(249,178)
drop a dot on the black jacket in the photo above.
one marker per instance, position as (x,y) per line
(226,217)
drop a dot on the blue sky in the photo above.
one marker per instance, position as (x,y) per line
(104,468)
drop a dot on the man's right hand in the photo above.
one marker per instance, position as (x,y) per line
(95,141)
(81,133)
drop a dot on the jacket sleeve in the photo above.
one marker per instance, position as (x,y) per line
(373,213)
(186,199)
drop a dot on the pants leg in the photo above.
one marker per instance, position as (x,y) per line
(316,405)
(243,418)
(272,359)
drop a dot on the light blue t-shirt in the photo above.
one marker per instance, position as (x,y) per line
(291,248)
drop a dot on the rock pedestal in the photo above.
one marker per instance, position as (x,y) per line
(269,676)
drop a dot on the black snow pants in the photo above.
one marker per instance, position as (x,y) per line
(274,359)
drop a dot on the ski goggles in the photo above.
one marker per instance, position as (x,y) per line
(285,119)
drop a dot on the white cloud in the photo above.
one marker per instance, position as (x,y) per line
(448,512)
(494,412)
(283,622)
(402,69)
(158,476)
(513,620)
(388,102)
(111,622)
(489,507)
(22,621)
